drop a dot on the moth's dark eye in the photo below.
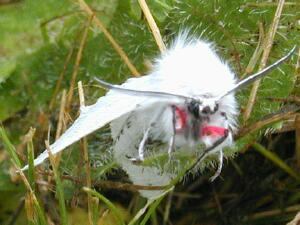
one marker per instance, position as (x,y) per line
(216,107)
(193,108)
(206,110)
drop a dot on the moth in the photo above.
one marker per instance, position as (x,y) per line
(186,100)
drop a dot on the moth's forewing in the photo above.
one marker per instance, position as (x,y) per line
(91,118)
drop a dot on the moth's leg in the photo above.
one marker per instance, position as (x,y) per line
(210,150)
(219,169)
(141,147)
(142,144)
(207,152)
(220,159)
(140,157)
(172,139)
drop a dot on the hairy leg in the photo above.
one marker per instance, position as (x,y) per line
(172,139)
(219,169)
(141,147)
(142,144)
(207,152)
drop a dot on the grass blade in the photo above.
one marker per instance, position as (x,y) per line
(30,157)
(152,203)
(276,160)
(109,204)
(9,147)
(59,188)
(15,160)
(151,210)
(141,212)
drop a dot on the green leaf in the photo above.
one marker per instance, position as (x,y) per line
(30,157)
(10,148)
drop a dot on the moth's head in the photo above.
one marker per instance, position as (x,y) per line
(204,120)
(203,107)
(215,116)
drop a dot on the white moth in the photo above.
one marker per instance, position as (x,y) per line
(187,100)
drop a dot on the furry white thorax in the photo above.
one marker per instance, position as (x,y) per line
(193,68)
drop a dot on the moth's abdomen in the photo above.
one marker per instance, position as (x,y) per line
(128,133)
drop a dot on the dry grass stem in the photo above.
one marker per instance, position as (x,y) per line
(60,122)
(269,4)
(153,26)
(29,207)
(217,200)
(77,63)
(267,49)
(290,99)
(25,139)
(260,124)
(59,17)
(259,48)
(58,187)
(81,94)
(61,77)
(110,38)
(297,75)
(106,184)
(296,220)
(166,213)
(86,157)
(51,156)
(27,185)
(275,212)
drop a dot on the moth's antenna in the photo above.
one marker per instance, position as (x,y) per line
(109,86)
(259,74)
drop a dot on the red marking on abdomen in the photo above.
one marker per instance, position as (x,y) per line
(181,118)
(213,131)
(181,122)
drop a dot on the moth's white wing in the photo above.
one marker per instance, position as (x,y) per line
(91,118)
(108,108)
